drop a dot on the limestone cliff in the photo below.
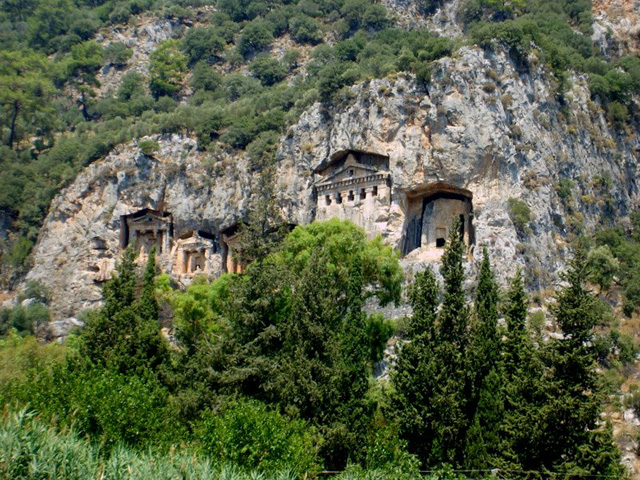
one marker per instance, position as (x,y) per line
(482,126)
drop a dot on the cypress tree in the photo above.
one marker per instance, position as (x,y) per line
(453,320)
(415,374)
(523,386)
(485,343)
(108,326)
(147,304)
(124,335)
(484,373)
(265,228)
(574,441)
(449,402)
(120,291)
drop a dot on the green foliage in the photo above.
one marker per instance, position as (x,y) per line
(25,320)
(617,113)
(573,430)
(52,139)
(560,30)
(379,331)
(297,336)
(19,355)
(603,266)
(249,435)
(305,29)
(625,264)
(415,375)
(117,54)
(197,310)
(255,37)
(148,147)
(124,335)
(109,407)
(520,215)
(205,77)
(167,65)
(30,449)
(203,43)
(25,91)
(268,70)
(344,244)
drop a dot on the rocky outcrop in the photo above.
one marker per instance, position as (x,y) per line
(616,28)
(482,126)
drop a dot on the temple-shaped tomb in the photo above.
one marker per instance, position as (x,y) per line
(231,249)
(145,229)
(195,253)
(354,185)
(431,213)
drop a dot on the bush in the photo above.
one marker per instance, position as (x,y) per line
(205,78)
(617,113)
(520,214)
(379,331)
(305,29)
(29,449)
(20,355)
(148,147)
(202,43)
(167,65)
(117,54)
(255,37)
(263,147)
(109,407)
(603,266)
(565,188)
(268,70)
(625,346)
(249,435)
(130,86)
(291,58)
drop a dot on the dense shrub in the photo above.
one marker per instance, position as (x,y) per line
(249,435)
(202,43)
(167,67)
(267,70)
(520,214)
(305,29)
(255,37)
(117,54)
(205,77)
(25,320)
(109,407)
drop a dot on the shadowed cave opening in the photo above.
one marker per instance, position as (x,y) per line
(431,212)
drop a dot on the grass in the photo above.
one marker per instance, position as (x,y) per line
(29,449)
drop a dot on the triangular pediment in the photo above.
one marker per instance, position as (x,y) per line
(149,217)
(343,173)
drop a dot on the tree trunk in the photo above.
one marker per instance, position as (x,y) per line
(84,109)
(14,119)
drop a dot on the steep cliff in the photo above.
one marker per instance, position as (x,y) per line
(481,126)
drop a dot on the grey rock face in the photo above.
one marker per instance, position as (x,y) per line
(482,126)
(60,329)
